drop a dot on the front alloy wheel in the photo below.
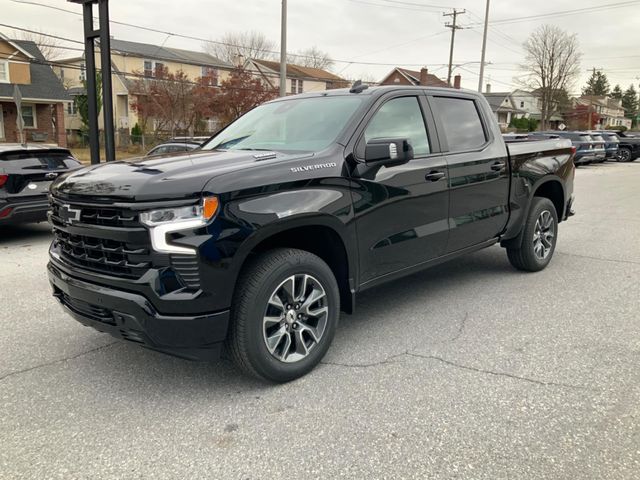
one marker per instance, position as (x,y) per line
(295,318)
(284,314)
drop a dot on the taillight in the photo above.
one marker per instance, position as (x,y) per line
(5,212)
(3,180)
(573,150)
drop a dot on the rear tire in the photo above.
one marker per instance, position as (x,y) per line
(284,315)
(624,154)
(538,237)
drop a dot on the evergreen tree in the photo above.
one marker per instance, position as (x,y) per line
(630,101)
(616,92)
(598,84)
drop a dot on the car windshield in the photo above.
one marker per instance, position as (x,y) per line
(305,124)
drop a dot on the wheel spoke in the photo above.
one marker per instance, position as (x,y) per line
(301,347)
(315,295)
(289,287)
(276,301)
(276,338)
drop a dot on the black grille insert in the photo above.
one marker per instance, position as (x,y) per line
(108,256)
(96,215)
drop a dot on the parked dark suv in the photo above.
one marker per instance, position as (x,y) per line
(628,148)
(25,175)
(611,143)
(584,144)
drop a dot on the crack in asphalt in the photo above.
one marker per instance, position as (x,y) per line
(389,360)
(598,258)
(461,328)
(367,365)
(53,362)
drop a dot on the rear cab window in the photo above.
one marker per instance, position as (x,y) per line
(462,124)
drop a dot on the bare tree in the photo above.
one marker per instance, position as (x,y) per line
(551,68)
(250,44)
(50,47)
(312,57)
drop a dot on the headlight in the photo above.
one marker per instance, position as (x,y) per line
(168,220)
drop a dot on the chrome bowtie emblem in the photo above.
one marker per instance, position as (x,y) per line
(69,215)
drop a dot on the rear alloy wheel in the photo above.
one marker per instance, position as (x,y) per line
(539,236)
(624,155)
(284,315)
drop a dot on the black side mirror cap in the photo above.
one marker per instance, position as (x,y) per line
(388,151)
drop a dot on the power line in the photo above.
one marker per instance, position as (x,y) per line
(577,11)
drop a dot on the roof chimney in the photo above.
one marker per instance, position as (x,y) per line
(424,75)
(456,81)
(488,88)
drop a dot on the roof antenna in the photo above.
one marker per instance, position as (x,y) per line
(358,87)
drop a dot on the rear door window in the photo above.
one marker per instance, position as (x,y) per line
(461,122)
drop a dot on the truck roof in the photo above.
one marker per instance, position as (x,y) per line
(378,91)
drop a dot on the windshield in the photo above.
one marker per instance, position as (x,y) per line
(304,124)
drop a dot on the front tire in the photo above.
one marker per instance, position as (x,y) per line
(284,315)
(538,237)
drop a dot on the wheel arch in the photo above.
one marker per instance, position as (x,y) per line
(322,235)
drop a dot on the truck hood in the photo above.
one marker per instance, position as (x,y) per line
(173,176)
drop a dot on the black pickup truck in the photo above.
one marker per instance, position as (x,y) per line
(260,238)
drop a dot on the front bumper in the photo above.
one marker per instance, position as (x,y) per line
(130,316)
(13,212)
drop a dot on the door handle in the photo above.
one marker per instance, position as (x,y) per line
(434,176)
(497,166)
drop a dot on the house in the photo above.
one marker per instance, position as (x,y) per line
(299,79)
(609,110)
(131,61)
(531,106)
(402,76)
(43,96)
(503,107)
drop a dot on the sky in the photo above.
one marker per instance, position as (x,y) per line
(367,38)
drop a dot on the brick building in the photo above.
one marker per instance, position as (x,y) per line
(43,96)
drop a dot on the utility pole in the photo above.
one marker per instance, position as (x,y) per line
(453,26)
(283,50)
(484,46)
(90,36)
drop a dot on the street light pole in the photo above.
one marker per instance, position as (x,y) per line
(283,50)
(484,46)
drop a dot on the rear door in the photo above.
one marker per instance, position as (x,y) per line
(29,173)
(478,170)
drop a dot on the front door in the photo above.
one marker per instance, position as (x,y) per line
(478,171)
(401,211)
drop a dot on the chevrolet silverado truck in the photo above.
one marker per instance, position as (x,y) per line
(26,172)
(259,239)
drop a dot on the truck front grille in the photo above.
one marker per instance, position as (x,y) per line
(108,256)
(96,215)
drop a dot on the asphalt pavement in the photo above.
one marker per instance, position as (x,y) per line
(470,370)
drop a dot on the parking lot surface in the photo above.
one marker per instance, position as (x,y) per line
(467,370)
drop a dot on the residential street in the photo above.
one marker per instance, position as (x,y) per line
(468,370)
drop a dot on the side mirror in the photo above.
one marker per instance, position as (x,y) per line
(388,151)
